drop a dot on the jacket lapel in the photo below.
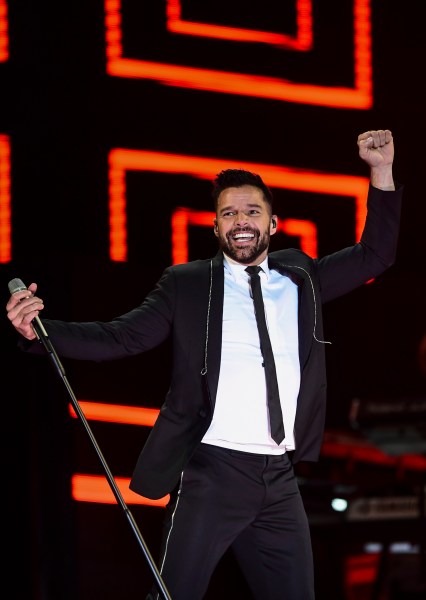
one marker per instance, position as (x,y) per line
(214,325)
(306,309)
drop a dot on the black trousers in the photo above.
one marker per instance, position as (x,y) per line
(250,502)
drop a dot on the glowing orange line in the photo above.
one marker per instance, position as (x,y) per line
(231,33)
(302,41)
(244,85)
(183,217)
(363,69)
(358,97)
(137,415)
(180,218)
(121,160)
(117,413)
(4,37)
(95,488)
(117,212)
(305,230)
(5,201)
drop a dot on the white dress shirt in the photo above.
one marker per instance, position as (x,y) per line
(240,419)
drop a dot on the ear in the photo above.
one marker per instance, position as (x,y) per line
(274,224)
(215,228)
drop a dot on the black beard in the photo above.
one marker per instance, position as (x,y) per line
(244,255)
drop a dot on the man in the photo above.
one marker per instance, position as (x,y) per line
(230,477)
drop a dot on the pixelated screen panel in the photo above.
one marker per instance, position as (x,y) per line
(299,12)
(5,201)
(122,161)
(4,28)
(183,218)
(236,57)
(95,488)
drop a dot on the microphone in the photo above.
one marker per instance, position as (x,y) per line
(17,285)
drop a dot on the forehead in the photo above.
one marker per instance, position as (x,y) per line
(239,197)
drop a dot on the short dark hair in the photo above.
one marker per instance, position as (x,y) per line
(237,178)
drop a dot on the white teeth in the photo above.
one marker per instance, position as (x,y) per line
(243,235)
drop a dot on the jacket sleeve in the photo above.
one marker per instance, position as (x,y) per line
(351,267)
(134,332)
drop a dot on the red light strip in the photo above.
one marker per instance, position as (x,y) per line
(360,570)
(117,413)
(122,160)
(302,41)
(358,97)
(305,230)
(371,454)
(5,201)
(182,218)
(4,37)
(95,488)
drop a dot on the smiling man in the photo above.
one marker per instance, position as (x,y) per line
(248,386)
(244,220)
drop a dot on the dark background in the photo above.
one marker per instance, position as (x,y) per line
(64,114)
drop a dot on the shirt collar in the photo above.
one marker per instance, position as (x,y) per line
(237,269)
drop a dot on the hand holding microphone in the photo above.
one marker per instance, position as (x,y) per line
(23,309)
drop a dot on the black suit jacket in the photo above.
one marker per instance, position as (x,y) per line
(187,303)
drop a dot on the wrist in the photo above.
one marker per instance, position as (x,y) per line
(382,178)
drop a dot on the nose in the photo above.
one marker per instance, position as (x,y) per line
(240,218)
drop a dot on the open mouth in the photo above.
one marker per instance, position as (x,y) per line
(243,236)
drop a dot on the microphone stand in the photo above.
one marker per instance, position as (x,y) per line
(44,339)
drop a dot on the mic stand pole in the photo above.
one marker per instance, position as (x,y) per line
(44,339)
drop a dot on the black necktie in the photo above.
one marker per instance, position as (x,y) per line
(274,405)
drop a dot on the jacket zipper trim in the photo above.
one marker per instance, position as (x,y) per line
(315,301)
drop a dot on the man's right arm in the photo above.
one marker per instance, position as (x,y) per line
(139,330)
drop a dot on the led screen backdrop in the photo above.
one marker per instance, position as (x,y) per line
(115,116)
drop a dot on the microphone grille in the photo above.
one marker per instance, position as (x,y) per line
(16,285)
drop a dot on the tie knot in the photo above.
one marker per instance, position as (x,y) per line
(253,270)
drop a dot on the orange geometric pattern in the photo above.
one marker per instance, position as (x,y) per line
(95,488)
(5,201)
(4,35)
(360,96)
(122,160)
